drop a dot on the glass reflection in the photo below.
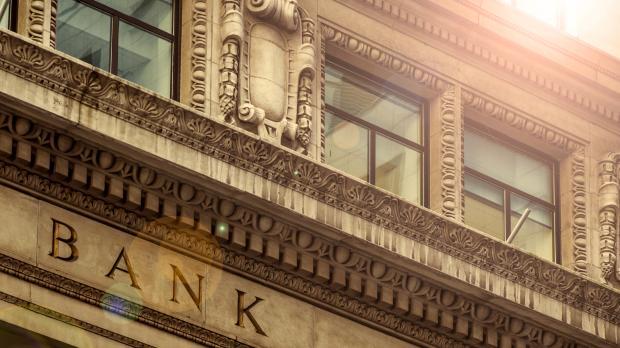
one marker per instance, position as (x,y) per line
(6,15)
(377,106)
(144,58)
(509,166)
(398,169)
(536,233)
(484,207)
(83,33)
(157,13)
(346,146)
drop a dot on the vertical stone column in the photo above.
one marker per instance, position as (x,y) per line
(446,153)
(40,24)
(608,196)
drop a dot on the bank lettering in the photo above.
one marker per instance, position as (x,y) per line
(67,235)
(57,230)
(122,256)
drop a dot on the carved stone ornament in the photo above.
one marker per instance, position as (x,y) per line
(267,70)
(69,78)
(199,55)
(331,273)
(608,202)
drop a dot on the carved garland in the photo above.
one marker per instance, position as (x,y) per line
(526,74)
(577,176)
(199,55)
(608,200)
(72,321)
(102,92)
(385,294)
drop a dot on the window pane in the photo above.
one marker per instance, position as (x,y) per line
(398,169)
(377,106)
(509,166)
(5,16)
(144,58)
(484,207)
(83,33)
(536,233)
(346,146)
(157,13)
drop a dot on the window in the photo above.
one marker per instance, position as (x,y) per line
(507,189)
(135,39)
(374,133)
(7,15)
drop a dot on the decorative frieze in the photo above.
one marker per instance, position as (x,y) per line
(327,272)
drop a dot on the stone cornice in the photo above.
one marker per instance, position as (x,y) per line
(524,72)
(104,92)
(327,272)
(72,321)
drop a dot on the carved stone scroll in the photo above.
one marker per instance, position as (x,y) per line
(608,196)
(267,70)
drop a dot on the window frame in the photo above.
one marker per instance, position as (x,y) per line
(13,7)
(174,37)
(379,84)
(508,190)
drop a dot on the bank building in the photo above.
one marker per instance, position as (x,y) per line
(309,173)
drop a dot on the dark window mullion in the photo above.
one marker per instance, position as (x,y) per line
(372,147)
(507,214)
(114,46)
(176,51)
